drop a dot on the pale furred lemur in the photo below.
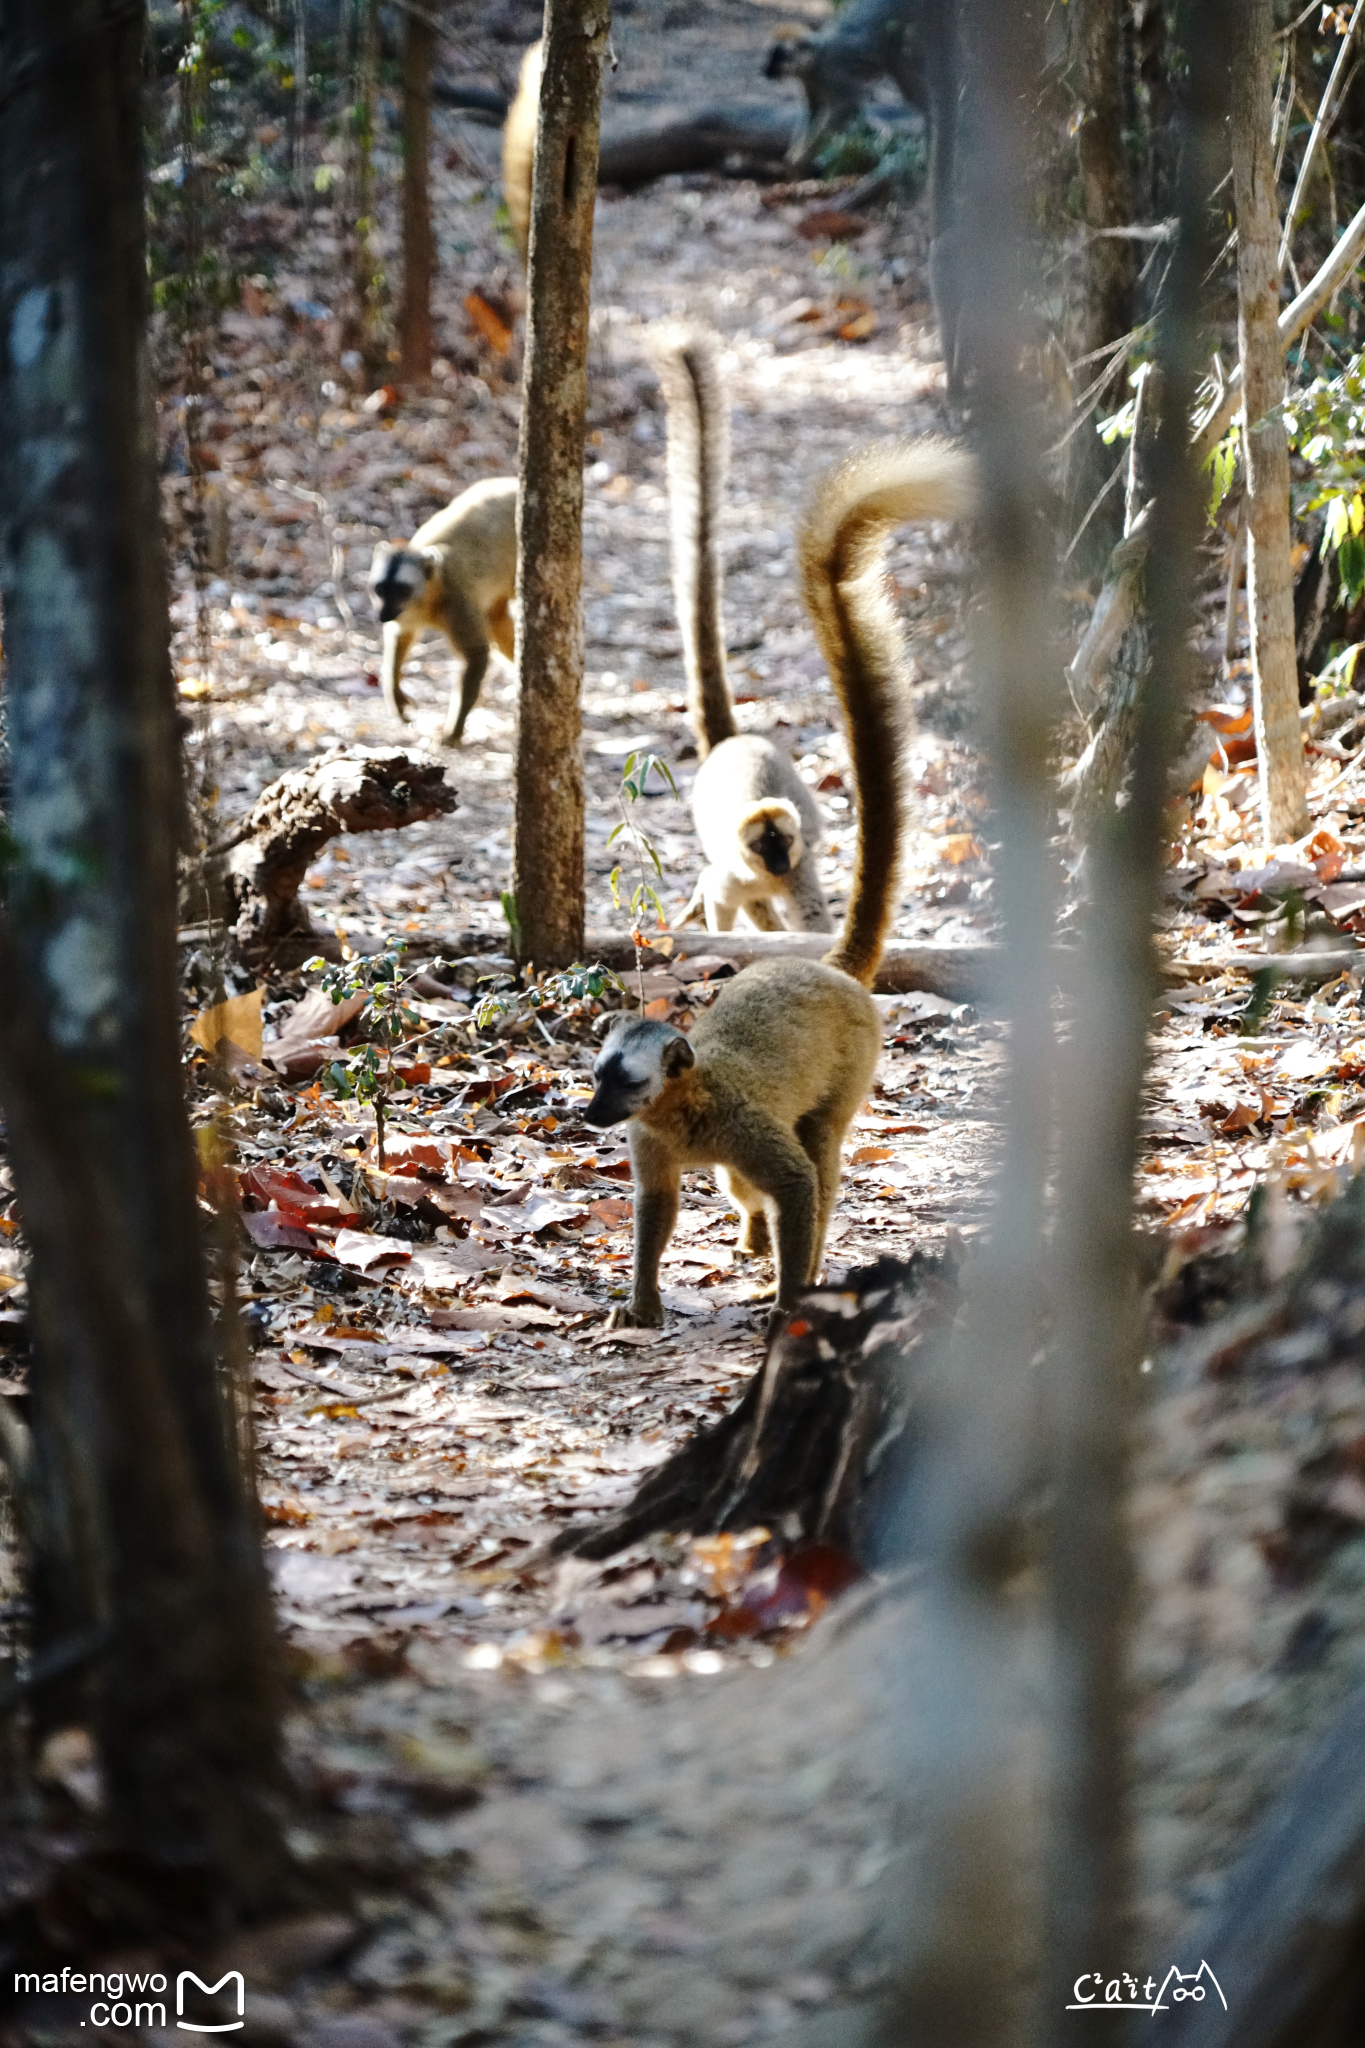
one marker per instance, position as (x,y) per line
(758,824)
(770,1078)
(519,149)
(456,576)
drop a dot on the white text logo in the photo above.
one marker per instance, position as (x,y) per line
(1091,1992)
(209,1991)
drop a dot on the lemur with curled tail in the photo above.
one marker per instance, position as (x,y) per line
(758,823)
(769,1080)
(457,576)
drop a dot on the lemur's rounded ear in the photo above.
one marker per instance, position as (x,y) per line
(678,1056)
(431,560)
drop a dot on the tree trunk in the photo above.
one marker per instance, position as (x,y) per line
(547,832)
(965,1698)
(1270,578)
(148,1532)
(1110,263)
(360,327)
(414,318)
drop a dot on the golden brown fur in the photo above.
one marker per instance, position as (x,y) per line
(519,149)
(768,1082)
(455,576)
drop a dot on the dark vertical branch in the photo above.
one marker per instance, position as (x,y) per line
(547,834)
(1096,1350)
(1106,312)
(148,1530)
(414,317)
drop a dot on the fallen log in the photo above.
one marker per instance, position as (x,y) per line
(742,140)
(820,1444)
(261,866)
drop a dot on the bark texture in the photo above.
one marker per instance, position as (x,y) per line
(362,790)
(547,832)
(1270,577)
(147,1532)
(414,314)
(1106,312)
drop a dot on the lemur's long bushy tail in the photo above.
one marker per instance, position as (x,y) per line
(698,458)
(842,546)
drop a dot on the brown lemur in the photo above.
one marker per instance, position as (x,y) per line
(769,1080)
(758,824)
(455,576)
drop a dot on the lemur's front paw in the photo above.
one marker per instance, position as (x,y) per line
(634,1315)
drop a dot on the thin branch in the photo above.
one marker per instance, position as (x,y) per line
(1300,313)
(1326,110)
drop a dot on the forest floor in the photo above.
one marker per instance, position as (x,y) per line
(646,1803)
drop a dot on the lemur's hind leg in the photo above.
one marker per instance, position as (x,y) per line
(475,668)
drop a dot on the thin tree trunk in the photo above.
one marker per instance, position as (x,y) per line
(547,833)
(147,1530)
(1091,1375)
(414,318)
(1110,261)
(361,325)
(1270,578)
(971,1928)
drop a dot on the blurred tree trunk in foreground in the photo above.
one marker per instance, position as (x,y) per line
(1003,1923)
(414,314)
(1270,576)
(146,1534)
(547,830)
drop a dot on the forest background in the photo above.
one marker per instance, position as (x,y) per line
(491,1794)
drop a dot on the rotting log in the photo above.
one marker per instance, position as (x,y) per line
(264,862)
(744,139)
(797,1453)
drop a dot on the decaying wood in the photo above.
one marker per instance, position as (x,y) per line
(739,139)
(819,1446)
(360,790)
(1285,1943)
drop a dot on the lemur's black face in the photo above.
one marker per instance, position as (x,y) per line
(396,578)
(773,850)
(638,1059)
(618,1090)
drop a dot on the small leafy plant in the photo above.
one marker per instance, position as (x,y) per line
(576,984)
(366,1076)
(634,782)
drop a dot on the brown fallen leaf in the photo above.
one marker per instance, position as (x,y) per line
(831,224)
(489,323)
(238,1019)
